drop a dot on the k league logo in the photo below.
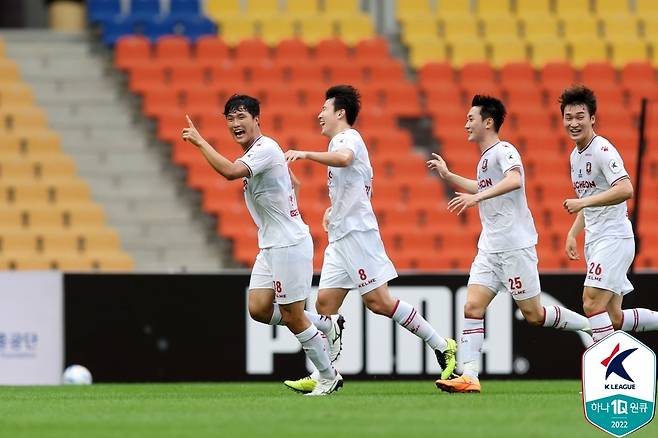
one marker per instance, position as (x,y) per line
(619,384)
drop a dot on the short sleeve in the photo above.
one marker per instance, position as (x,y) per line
(345,142)
(611,164)
(508,158)
(258,158)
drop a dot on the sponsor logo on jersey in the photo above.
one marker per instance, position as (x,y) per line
(584,185)
(484,183)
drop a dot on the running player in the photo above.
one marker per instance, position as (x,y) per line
(506,258)
(281,277)
(602,186)
(355,257)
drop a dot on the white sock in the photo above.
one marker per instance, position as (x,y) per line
(639,320)
(409,318)
(471,345)
(564,319)
(313,346)
(322,322)
(601,325)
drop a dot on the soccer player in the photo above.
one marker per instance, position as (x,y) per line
(602,186)
(281,277)
(355,257)
(506,258)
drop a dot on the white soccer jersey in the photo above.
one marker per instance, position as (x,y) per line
(507,223)
(350,188)
(270,196)
(594,170)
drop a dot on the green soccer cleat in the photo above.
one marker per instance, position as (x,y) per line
(447,359)
(303,385)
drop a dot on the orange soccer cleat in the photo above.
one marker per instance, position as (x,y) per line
(459,384)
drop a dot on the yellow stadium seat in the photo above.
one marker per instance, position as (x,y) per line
(579,26)
(413,9)
(16,169)
(10,218)
(341,8)
(458,28)
(532,8)
(274,29)
(40,218)
(84,215)
(506,50)
(316,29)
(493,7)
(453,8)
(15,94)
(610,8)
(57,168)
(465,51)
(262,8)
(57,242)
(301,8)
(644,8)
(28,192)
(73,262)
(105,240)
(423,28)
(41,142)
(566,8)
(650,30)
(356,28)
(548,50)
(425,51)
(73,191)
(625,51)
(622,27)
(10,145)
(116,262)
(30,262)
(588,50)
(223,9)
(539,28)
(236,29)
(23,118)
(496,27)
(8,71)
(17,242)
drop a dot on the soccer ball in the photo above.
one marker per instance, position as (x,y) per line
(76,375)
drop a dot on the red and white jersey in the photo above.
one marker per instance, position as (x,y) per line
(270,197)
(507,223)
(594,170)
(350,188)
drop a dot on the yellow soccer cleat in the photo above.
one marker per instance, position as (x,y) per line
(303,385)
(459,384)
(447,359)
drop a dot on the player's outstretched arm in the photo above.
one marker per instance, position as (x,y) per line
(220,163)
(621,191)
(438,164)
(339,158)
(571,246)
(462,201)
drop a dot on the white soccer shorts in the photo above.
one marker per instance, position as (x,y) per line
(509,271)
(608,260)
(288,271)
(357,261)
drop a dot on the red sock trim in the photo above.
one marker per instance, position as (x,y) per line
(394,309)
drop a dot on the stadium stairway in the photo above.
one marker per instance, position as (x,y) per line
(143,198)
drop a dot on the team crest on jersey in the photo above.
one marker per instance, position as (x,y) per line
(485,163)
(588,167)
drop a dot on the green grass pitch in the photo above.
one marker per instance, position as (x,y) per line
(374,409)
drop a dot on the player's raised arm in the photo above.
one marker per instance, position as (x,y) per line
(438,164)
(221,164)
(339,158)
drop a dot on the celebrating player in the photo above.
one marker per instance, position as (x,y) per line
(506,258)
(355,257)
(281,277)
(602,186)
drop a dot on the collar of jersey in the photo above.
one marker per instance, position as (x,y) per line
(487,149)
(253,143)
(590,142)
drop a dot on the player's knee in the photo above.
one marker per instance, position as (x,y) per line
(473,310)
(534,318)
(323,305)
(378,306)
(591,307)
(617,319)
(258,313)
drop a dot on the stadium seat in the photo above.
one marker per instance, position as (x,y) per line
(353,29)
(504,51)
(236,29)
(331,50)
(172,49)
(565,8)
(627,51)
(456,29)
(413,9)
(547,51)
(611,8)
(316,29)
(211,50)
(274,29)
(621,27)
(532,8)
(144,8)
(467,51)
(599,73)
(588,50)
(504,27)
(8,71)
(574,27)
(301,8)
(259,9)
(371,50)
(185,7)
(430,50)
(131,50)
(99,11)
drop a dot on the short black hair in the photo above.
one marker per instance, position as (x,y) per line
(242,101)
(347,98)
(578,95)
(490,107)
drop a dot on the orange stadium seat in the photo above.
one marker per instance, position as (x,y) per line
(290,51)
(211,48)
(173,49)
